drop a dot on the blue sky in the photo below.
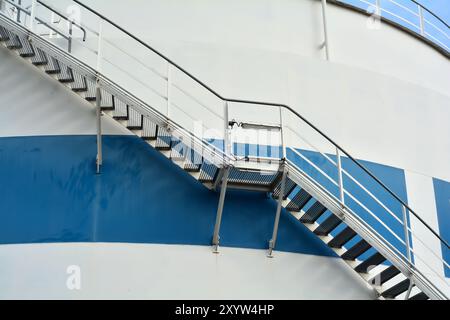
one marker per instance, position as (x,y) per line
(439,7)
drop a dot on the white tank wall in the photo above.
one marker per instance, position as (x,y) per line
(131,271)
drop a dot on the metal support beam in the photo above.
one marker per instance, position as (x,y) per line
(408,293)
(406,231)
(69,46)
(169,88)
(325,29)
(99,129)
(223,191)
(421,21)
(340,179)
(32,15)
(273,241)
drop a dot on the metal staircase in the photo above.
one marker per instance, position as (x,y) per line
(333,213)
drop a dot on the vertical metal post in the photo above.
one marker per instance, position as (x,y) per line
(378,7)
(32,15)
(69,49)
(325,29)
(405,228)
(273,241)
(421,21)
(340,180)
(169,87)
(226,138)
(99,46)
(283,138)
(99,128)
(18,11)
(223,190)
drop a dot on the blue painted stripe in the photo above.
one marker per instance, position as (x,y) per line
(50,193)
(442,194)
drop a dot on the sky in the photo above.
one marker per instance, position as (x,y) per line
(439,7)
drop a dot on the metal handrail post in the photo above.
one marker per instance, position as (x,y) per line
(325,29)
(33,14)
(98,97)
(421,20)
(283,137)
(406,231)
(169,87)
(69,48)
(340,179)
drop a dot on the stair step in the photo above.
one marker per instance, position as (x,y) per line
(66,74)
(79,84)
(396,290)
(372,261)
(299,201)
(342,238)
(13,42)
(289,187)
(420,296)
(53,66)
(328,225)
(27,50)
(150,130)
(4,35)
(208,172)
(121,110)
(313,213)
(386,275)
(164,140)
(357,250)
(40,58)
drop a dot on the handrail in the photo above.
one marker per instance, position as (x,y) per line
(361,166)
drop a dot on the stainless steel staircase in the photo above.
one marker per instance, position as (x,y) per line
(392,267)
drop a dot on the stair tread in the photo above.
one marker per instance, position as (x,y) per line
(313,213)
(328,225)
(289,187)
(357,250)
(299,201)
(396,290)
(372,261)
(387,275)
(420,296)
(342,238)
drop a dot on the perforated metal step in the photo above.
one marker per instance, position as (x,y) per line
(27,50)
(289,187)
(13,41)
(299,201)
(40,58)
(66,75)
(4,34)
(357,250)
(420,296)
(342,238)
(79,84)
(370,262)
(52,66)
(328,225)
(313,213)
(397,289)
